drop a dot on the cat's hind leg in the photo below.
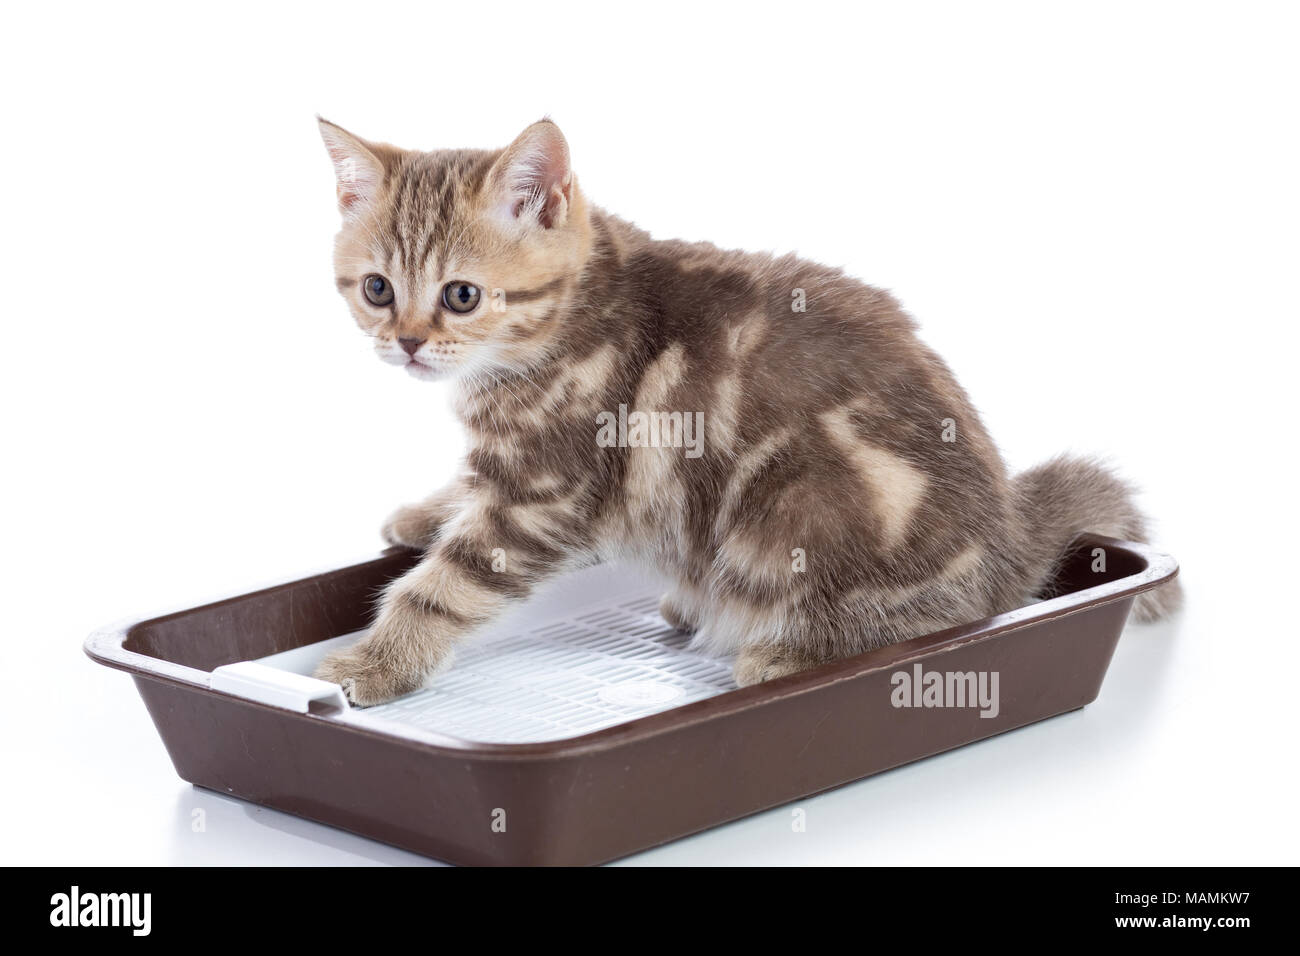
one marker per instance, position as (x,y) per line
(671,611)
(757,663)
(683,607)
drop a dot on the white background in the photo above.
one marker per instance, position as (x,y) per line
(1092,209)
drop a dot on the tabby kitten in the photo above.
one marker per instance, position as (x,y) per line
(841,494)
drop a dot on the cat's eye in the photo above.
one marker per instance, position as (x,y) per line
(461,296)
(378,290)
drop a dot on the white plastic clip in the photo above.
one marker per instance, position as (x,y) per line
(277,688)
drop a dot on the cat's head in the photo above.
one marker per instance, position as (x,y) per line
(455,261)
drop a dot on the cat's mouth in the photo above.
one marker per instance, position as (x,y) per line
(426,373)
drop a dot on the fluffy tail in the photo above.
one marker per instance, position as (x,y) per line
(1066,496)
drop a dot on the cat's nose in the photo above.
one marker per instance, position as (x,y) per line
(410,345)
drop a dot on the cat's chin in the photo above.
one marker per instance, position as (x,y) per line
(425,373)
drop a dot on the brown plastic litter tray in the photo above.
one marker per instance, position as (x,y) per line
(496,762)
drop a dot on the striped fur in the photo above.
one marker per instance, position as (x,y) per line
(846,494)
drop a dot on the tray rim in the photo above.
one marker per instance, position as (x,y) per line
(106,646)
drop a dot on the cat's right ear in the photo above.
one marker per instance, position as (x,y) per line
(358,166)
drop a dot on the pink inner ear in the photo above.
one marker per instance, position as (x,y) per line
(355,180)
(347,198)
(555,201)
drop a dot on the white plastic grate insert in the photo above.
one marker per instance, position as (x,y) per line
(596,667)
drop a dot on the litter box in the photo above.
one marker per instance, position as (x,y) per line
(581,727)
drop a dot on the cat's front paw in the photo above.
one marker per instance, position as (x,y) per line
(754,665)
(395,658)
(366,681)
(410,526)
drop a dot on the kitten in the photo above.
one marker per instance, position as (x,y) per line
(841,493)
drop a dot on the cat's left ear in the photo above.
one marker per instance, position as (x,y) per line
(532,182)
(358,166)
